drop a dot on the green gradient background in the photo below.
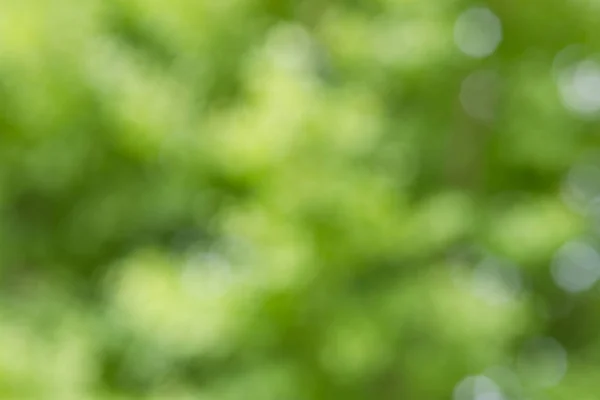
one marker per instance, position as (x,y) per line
(281,200)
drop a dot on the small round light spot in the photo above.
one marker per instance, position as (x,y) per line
(496,281)
(576,267)
(478,32)
(581,186)
(579,88)
(478,94)
(542,362)
(477,388)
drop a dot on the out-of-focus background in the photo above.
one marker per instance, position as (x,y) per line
(298,200)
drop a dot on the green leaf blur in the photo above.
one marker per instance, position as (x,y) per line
(299,200)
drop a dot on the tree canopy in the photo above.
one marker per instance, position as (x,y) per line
(277,199)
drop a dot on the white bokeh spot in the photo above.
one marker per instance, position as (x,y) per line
(576,267)
(477,388)
(478,94)
(543,361)
(579,88)
(478,32)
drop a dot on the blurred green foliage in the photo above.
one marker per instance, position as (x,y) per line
(276,199)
